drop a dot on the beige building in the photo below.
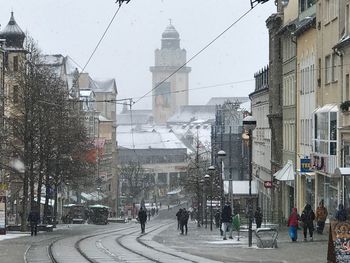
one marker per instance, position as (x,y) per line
(326,135)
(170,90)
(305,35)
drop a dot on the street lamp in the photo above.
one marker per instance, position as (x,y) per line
(221,156)
(249,124)
(207,177)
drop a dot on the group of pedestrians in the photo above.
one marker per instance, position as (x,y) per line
(307,218)
(182,220)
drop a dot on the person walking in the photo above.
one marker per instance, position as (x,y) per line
(308,217)
(258,217)
(142,218)
(183,221)
(341,215)
(34,219)
(321,216)
(293,224)
(226,219)
(178,216)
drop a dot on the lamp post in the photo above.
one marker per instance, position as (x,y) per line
(211,170)
(249,124)
(207,177)
(221,156)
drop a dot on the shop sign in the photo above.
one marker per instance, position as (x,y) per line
(305,165)
(268,184)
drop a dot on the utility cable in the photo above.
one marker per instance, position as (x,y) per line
(102,37)
(199,52)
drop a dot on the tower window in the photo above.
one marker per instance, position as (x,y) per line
(15,63)
(15,94)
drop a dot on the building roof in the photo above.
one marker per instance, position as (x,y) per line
(13,34)
(170,32)
(191,113)
(156,137)
(222,100)
(104,85)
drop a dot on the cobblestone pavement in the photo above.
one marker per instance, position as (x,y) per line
(203,242)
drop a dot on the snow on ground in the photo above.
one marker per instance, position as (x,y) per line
(13,235)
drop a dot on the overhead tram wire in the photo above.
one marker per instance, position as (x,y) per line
(200,51)
(102,37)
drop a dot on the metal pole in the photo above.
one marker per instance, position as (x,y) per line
(211,203)
(250,190)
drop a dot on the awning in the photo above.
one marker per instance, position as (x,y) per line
(286,173)
(342,171)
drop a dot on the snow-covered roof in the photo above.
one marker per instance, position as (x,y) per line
(86,93)
(222,100)
(148,137)
(105,85)
(190,113)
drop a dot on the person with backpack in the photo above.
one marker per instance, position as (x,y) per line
(341,215)
(34,219)
(308,217)
(183,221)
(321,216)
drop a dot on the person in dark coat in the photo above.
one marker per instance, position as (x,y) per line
(308,217)
(34,219)
(184,220)
(341,215)
(142,218)
(258,217)
(226,219)
(178,215)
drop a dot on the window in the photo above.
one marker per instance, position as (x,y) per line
(347,87)
(347,20)
(334,67)
(15,63)
(328,69)
(15,95)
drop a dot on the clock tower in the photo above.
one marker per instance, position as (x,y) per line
(169,92)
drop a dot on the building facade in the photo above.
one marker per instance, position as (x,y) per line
(262,141)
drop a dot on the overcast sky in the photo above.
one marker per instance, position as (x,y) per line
(73,27)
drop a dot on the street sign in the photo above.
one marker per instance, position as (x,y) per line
(268,184)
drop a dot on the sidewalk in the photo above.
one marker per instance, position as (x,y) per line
(202,242)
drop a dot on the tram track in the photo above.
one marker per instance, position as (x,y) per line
(77,245)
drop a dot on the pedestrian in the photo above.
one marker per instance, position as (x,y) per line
(178,216)
(258,217)
(226,220)
(217,219)
(142,218)
(321,216)
(293,224)
(183,221)
(341,215)
(34,219)
(308,217)
(149,215)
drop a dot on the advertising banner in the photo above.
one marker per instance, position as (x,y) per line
(2,212)
(339,242)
